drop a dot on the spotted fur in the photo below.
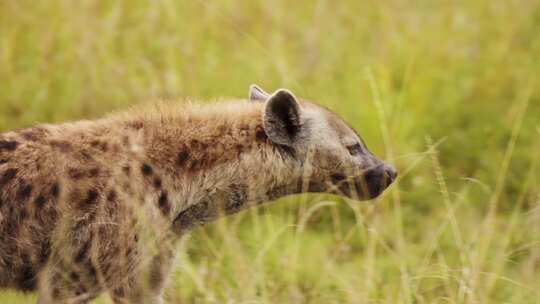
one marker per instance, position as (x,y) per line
(98,206)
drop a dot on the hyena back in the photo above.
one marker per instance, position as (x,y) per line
(98,206)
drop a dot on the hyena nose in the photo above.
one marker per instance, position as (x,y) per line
(390,172)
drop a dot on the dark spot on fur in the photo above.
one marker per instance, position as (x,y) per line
(26,274)
(183,156)
(157,183)
(79,290)
(11,227)
(100,145)
(277,192)
(8,145)
(111,197)
(8,175)
(194,165)
(26,277)
(164,204)
(40,201)
(87,202)
(119,292)
(222,129)
(24,214)
(74,276)
(260,135)
(92,272)
(44,252)
(126,169)
(146,169)
(92,196)
(75,173)
(25,258)
(195,144)
(83,252)
(135,125)
(239,149)
(337,177)
(34,134)
(244,129)
(55,190)
(93,172)
(315,186)
(61,145)
(24,192)
(86,155)
(56,293)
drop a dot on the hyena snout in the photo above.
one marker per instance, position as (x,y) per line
(375,180)
(369,184)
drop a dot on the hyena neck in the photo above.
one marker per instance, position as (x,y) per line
(233,195)
(219,165)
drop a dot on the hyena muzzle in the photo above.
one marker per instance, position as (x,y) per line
(98,206)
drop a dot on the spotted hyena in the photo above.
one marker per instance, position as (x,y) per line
(97,206)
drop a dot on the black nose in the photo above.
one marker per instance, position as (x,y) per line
(390,172)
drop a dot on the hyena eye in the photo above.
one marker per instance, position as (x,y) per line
(355,149)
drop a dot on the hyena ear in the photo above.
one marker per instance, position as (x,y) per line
(281,120)
(257,94)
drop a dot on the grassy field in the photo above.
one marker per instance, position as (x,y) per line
(447,90)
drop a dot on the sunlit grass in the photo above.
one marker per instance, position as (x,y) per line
(446,91)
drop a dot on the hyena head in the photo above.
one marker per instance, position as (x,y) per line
(333,157)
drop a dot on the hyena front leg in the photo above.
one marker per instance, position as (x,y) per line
(70,275)
(65,286)
(147,284)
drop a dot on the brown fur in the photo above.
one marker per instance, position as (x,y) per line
(97,206)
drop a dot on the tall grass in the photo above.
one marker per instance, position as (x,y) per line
(448,91)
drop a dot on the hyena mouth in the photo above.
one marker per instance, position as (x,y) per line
(369,185)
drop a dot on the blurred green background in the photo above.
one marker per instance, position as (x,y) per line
(446,90)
